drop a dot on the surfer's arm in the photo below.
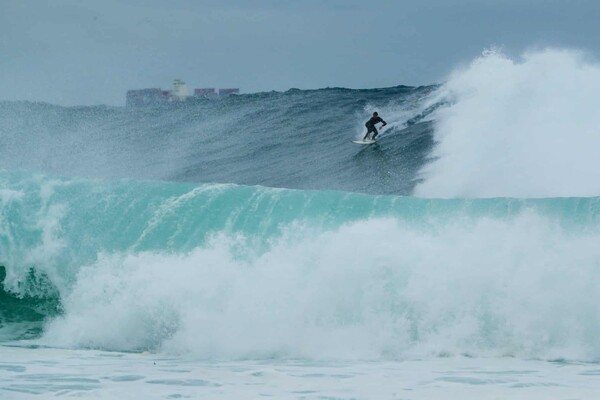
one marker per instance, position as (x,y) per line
(383,122)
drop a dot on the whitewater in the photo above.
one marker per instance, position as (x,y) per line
(244,247)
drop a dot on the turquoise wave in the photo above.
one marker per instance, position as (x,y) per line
(56,231)
(88,216)
(84,217)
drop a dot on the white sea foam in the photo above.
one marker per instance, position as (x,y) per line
(527,127)
(369,290)
(90,374)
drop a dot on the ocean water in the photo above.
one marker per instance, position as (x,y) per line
(245,248)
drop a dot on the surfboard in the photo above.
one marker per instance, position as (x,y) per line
(368,141)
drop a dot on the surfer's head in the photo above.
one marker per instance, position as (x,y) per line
(375,114)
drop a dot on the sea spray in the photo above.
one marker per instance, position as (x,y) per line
(524,127)
(521,287)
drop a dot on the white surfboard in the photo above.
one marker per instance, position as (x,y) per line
(367,141)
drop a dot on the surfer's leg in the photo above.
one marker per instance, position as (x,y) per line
(367,134)
(375,134)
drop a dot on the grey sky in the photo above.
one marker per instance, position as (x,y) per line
(74,52)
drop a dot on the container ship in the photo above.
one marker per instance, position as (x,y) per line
(179,93)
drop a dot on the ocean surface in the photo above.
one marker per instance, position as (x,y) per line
(245,247)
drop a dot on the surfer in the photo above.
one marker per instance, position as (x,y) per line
(371,126)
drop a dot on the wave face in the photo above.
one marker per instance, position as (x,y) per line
(251,227)
(231,271)
(298,139)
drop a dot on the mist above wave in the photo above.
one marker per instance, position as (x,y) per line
(525,127)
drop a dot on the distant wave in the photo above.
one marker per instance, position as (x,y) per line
(299,139)
(499,127)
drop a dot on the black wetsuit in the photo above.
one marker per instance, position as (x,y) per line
(371,126)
